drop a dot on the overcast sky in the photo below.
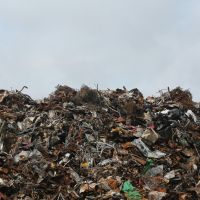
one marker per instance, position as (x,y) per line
(148,44)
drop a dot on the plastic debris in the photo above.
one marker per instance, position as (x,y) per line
(189,113)
(86,144)
(170,175)
(146,151)
(150,135)
(155,171)
(148,166)
(130,191)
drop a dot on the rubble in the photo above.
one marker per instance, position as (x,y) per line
(92,144)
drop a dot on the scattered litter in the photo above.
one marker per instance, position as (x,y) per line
(146,151)
(130,191)
(92,144)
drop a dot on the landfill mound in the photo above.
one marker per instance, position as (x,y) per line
(92,144)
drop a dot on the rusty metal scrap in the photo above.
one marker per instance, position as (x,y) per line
(92,144)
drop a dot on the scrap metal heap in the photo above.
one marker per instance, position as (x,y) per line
(91,144)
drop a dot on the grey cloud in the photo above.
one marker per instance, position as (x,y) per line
(145,44)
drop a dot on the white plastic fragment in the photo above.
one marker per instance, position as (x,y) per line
(170,175)
(23,155)
(165,112)
(146,151)
(189,113)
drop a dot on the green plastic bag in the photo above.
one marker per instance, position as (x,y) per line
(130,191)
(148,166)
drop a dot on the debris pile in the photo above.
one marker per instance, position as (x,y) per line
(92,144)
